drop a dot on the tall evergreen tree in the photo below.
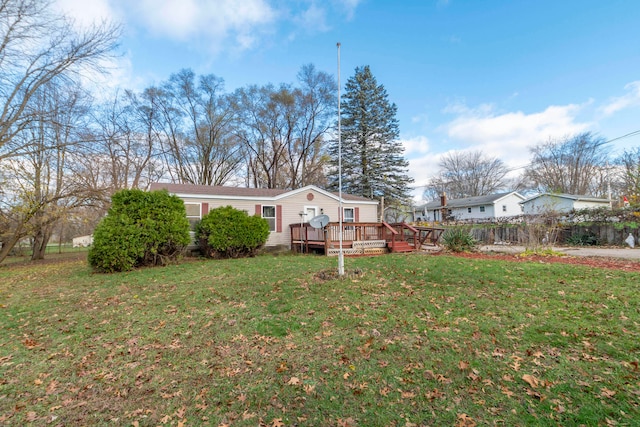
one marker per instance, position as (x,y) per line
(373,163)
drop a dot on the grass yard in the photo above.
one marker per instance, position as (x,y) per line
(279,341)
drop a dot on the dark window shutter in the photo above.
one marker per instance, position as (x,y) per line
(205,209)
(259,210)
(356,214)
(279,218)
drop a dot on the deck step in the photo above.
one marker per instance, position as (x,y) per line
(401,246)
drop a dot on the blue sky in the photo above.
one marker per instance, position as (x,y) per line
(496,76)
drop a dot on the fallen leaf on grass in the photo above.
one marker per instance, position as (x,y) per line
(246,415)
(349,422)
(294,381)
(277,422)
(465,420)
(462,365)
(434,394)
(535,394)
(30,343)
(507,392)
(408,394)
(605,392)
(531,380)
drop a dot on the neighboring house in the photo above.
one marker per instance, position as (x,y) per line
(279,207)
(82,241)
(480,208)
(548,202)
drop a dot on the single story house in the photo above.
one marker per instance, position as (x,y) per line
(547,202)
(480,208)
(82,241)
(279,207)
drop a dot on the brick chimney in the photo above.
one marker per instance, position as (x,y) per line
(443,207)
(443,199)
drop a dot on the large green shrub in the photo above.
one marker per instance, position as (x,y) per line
(141,229)
(226,232)
(458,240)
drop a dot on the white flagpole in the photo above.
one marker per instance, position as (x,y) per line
(341,213)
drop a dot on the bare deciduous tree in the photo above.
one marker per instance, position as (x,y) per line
(572,165)
(469,174)
(628,177)
(40,183)
(316,106)
(125,149)
(36,47)
(283,130)
(266,129)
(196,128)
(40,54)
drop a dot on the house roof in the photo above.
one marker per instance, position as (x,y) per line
(248,193)
(574,197)
(469,201)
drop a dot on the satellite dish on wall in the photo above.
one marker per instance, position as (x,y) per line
(319,221)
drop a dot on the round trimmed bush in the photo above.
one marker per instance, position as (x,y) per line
(141,229)
(226,232)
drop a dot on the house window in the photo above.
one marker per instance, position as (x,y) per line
(469,210)
(269,213)
(504,208)
(349,215)
(481,208)
(193,214)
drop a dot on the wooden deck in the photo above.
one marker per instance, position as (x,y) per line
(358,238)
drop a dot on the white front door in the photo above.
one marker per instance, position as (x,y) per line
(310,212)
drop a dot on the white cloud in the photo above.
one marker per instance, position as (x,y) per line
(348,6)
(313,19)
(211,25)
(416,145)
(116,69)
(85,13)
(508,136)
(210,22)
(422,169)
(630,99)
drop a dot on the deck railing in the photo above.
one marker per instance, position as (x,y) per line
(305,237)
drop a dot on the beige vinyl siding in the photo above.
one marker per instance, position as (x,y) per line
(292,205)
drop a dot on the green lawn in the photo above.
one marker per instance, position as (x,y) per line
(278,341)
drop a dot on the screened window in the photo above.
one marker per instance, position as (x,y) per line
(481,208)
(504,208)
(269,213)
(469,210)
(349,215)
(193,214)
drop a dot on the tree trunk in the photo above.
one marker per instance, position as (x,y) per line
(40,241)
(7,245)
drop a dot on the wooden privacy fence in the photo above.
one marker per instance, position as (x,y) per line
(605,234)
